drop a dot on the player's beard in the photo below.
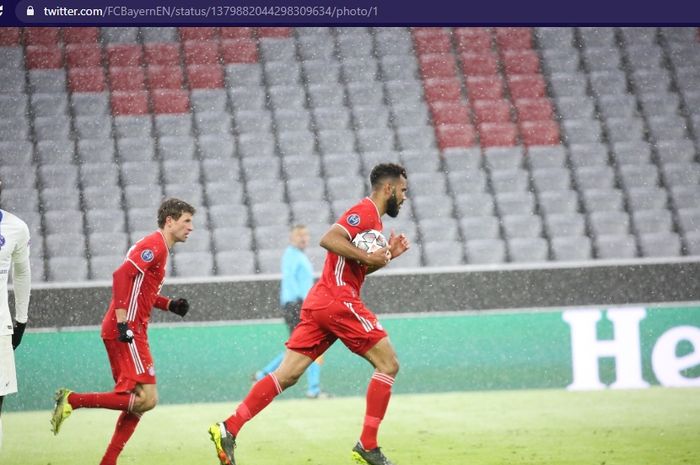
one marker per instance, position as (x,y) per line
(393,206)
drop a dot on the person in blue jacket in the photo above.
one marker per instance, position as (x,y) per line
(297,279)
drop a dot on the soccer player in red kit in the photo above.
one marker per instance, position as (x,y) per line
(136,288)
(333,310)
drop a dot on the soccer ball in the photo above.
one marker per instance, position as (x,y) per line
(369,240)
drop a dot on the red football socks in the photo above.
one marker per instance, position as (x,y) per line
(260,395)
(378,395)
(109,400)
(125,428)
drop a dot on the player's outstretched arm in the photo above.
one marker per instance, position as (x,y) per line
(336,240)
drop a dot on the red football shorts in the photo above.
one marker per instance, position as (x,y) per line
(350,321)
(131,363)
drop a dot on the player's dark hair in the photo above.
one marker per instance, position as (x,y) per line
(383,171)
(173,208)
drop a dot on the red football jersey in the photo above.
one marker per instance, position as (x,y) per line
(340,275)
(150,257)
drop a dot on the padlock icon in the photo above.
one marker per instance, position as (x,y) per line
(30,11)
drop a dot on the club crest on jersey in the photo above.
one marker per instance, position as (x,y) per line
(2,240)
(354,219)
(147,255)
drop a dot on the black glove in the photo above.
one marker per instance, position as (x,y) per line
(179,307)
(125,334)
(17,334)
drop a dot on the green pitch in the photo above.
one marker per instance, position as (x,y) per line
(549,427)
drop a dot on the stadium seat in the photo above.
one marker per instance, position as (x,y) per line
(539,133)
(455,135)
(473,39)
(484,87)
(497,134)
(83,55)
(200,51)
(170,101)
(437,65)
(521,62)
(526,86)
(491,111)
(124,55)
(483,63)
(162,54)
(513,38)
(43,56)
(86,79)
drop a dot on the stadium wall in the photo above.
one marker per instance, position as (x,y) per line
(566,348)
(404,291)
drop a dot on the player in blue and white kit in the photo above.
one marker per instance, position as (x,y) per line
(14,258)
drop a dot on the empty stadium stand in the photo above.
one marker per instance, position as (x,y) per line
(522,144)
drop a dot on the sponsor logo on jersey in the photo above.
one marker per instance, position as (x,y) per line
(354,219)
(147,255)
(151,371)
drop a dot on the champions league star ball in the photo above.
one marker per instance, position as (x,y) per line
(369,240)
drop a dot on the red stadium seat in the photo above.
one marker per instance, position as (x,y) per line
(431,40)
(43,57)
(473,39)
(521,62)
(42,36)
(236,32)
(127,78)
(497,134)
(442,89)
(83,55)
(9,36)
(205,76)
(484,87)
(455,135)
(201,52)
(129,103)
(81,35)
(479,64)
(491,111)
(239,51)
(450,113)
(539,133)
(279,32)
(124,55)
(162,53)
(198,33)
(435,65)
(514,38)
(526,86)
(86,79)
(534,109)
(170,101)
(164,77)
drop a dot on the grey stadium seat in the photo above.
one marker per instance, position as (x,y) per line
(232,238)
(443,253)
(571,248)
(301,189)
(67,269)
(180,148)
(271,213)
(254,144)
(546,156)
(609,223)
(558,202)
(503,158)
(462,182)
(95,151)
(515,203)
(264,190)
(485,251)
(104,221)
(102,267)
(228,215)
(521,226)
(133,125)
(528,249)
(60,198)
(49,104)
(666,244)
(652,221)
(432,206)
(98,197)
(58,175)
(65,245)
(107,243)
(594,177)
(271,236)
(311,212)
(180,171)
(63,222)
(173,125)
(135,149)
(441,229)
(480,227)
(144,173)
(269,260)
(474,204)
(602,199)
(515,180)
(194,264)
(216,147)
(622,246)
(235,262)
(223,193)
(588,154)
(647,198)
(345,187)
(565,224)
(213,122)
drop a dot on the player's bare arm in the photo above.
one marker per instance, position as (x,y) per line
(336,240)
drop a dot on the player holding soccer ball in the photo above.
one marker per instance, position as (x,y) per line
(135,291)
(333,310)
